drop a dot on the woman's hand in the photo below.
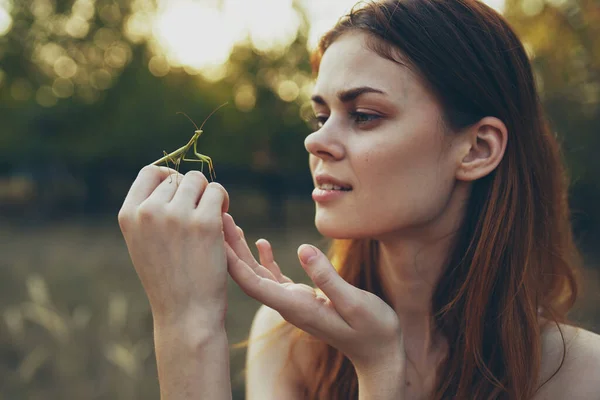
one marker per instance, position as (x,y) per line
(174,232)
(356,322)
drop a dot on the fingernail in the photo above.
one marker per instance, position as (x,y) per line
(307,253)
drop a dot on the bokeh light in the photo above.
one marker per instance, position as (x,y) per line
(158,66)
(45,96)
(63,88)
(101,79)
(245,97)
(77,27)
(42,9)
(288,90)
(5,19)
(65,67)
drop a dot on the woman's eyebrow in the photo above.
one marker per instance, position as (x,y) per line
(346,96)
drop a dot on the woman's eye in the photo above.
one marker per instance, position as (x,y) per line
(317,121)
(359,118)
(363,118)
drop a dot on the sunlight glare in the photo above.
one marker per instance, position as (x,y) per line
(272,30)
(200,36)
(193,35)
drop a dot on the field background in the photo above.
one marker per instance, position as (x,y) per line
(89,91)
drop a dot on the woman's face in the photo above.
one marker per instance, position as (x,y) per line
(381,134)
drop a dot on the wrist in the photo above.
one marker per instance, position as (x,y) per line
(387,356)
(192,361)
(386,382)
(190,316)
(382,378)
(193,330)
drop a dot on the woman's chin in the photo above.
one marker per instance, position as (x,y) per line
(337,229)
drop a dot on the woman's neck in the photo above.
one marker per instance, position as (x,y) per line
(410,265)
(408,277)
(409,271)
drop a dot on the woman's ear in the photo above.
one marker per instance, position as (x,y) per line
(482,148)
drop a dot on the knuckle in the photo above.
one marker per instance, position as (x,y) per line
(124,218)
(171,219)
(352,308)
(392,324)
(299,317)
(322,278)
(207,224)
(302,319)
(148,213)
(174,217)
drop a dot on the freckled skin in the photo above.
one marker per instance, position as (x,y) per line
(401,166)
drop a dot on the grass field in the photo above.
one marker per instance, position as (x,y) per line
(75,321)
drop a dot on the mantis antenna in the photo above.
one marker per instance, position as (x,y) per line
(209,115)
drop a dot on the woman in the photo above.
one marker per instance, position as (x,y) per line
(442,186)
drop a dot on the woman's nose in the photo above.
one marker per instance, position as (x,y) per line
(324,144)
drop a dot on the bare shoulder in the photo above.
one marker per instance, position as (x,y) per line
(579,376)
(275,368)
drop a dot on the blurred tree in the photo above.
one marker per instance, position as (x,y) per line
(562,38)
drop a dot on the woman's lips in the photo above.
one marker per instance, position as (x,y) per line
(324,195)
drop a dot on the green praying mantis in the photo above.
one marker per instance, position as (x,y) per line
(177,156)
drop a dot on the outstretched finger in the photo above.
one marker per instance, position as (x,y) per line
(299,304)
(243,273)
(343,296)
(256,268)
(238,244)
(265,253)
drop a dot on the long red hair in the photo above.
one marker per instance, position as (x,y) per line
(515,258)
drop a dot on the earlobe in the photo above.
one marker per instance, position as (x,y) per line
(484,147)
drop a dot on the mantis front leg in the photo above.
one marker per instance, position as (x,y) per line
(203,159)
(175,163)
(211,169)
